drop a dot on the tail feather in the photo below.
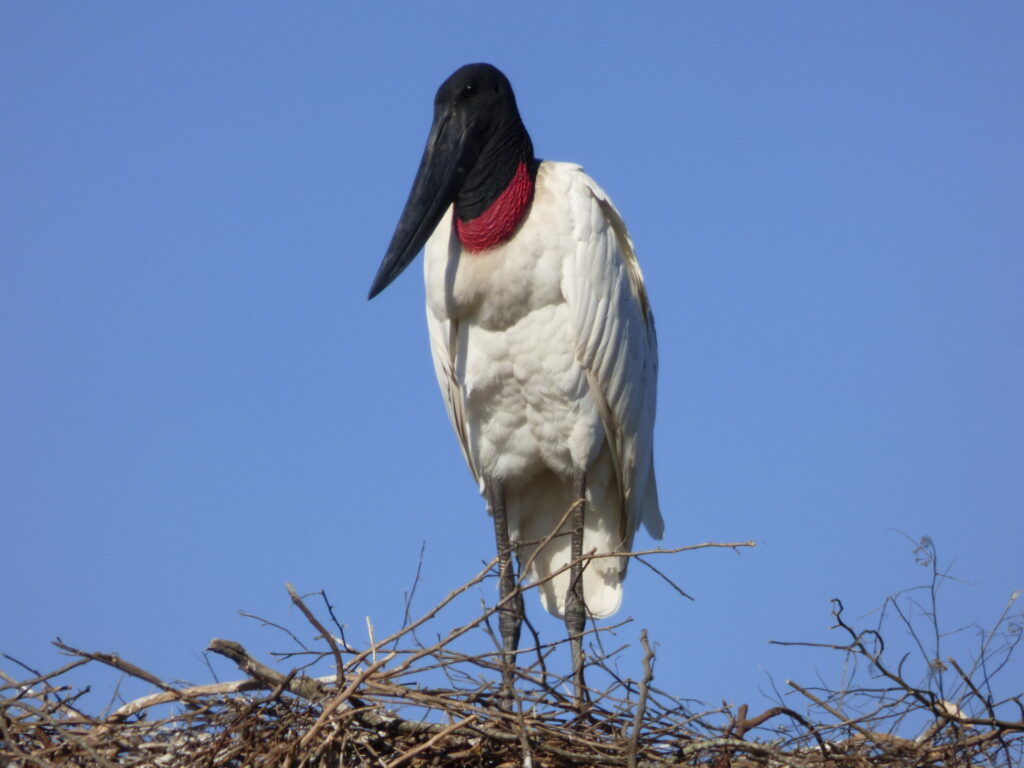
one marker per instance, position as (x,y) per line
(536,509)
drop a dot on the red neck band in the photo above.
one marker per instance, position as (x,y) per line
(497,224)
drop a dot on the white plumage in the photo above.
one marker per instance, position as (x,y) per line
(545,351)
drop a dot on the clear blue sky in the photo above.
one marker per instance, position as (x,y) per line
(197,404)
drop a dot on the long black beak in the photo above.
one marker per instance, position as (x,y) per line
(441,171)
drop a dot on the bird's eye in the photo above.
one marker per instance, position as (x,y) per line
(470,88)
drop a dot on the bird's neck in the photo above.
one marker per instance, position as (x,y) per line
(497,192)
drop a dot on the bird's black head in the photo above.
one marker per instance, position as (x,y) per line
(477,95)
(475,144)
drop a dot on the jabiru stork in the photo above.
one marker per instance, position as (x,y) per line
(544,348)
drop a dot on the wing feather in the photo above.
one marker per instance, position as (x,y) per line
(616,344)
(444,339)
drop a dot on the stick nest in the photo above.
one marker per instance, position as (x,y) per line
(401,702)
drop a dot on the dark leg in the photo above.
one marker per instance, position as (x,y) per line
(510,610)
(575,607)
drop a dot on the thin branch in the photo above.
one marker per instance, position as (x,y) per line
(641,705)
(339,666)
